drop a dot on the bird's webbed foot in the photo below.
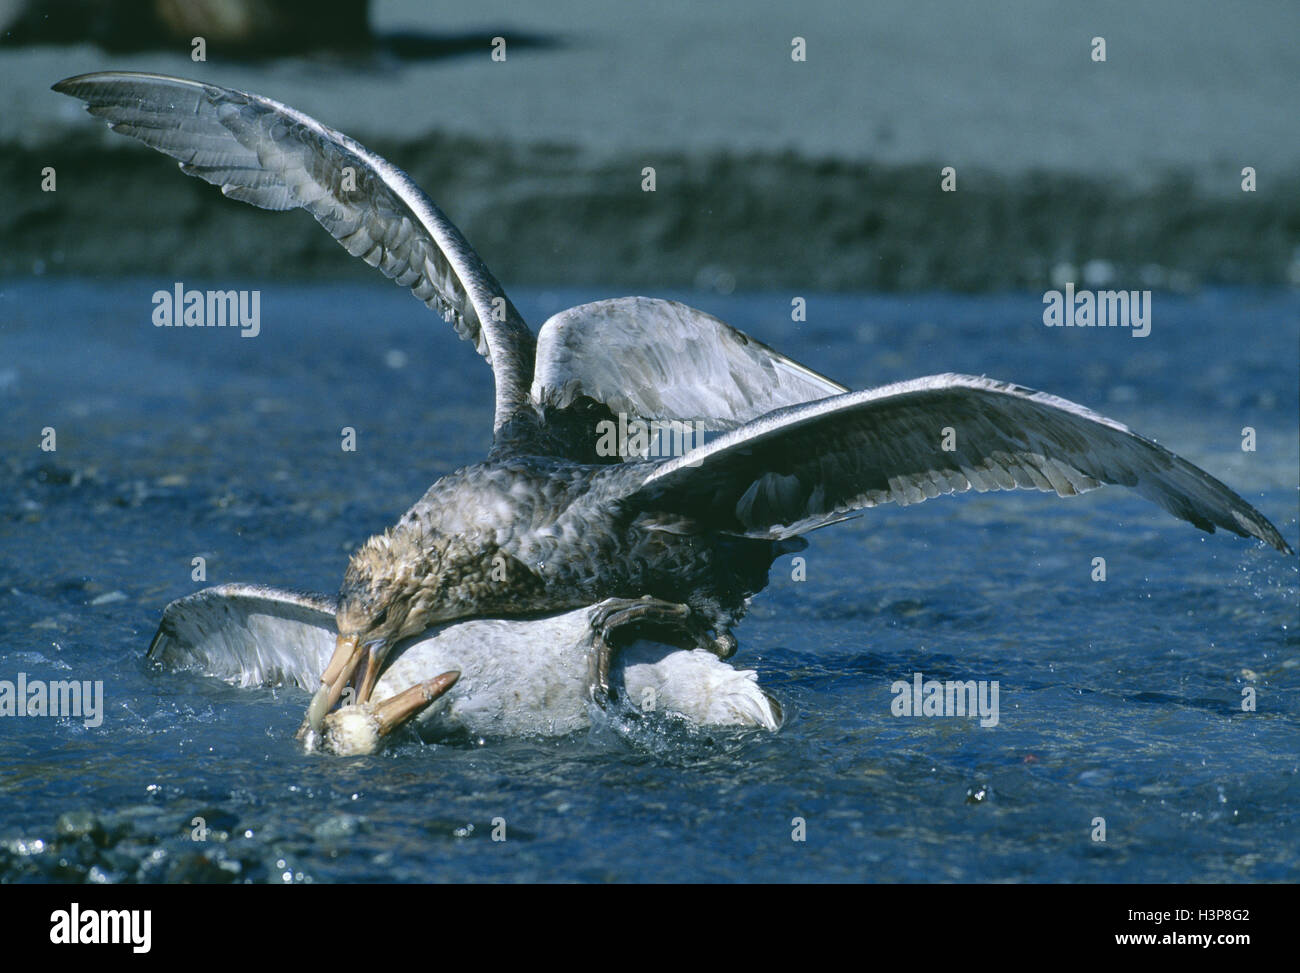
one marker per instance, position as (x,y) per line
(648,617)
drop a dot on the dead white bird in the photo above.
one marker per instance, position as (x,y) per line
(482,677)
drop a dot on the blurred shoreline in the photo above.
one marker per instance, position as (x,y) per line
(546,216)
(822,175)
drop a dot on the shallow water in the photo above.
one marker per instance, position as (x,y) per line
(1119,700)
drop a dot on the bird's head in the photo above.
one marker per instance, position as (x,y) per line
(389,593)
(381,595)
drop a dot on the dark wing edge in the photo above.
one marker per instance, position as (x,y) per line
(800,467)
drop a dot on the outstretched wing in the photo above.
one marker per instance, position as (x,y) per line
(653,359)
(249,635)
(800,467)
(275,157)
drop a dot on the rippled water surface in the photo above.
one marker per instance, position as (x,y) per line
(1119,699)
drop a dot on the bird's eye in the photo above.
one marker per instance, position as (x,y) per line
(381,617)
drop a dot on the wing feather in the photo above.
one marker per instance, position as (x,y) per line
(806,465)
(249,635)
(652,359)
(261,152)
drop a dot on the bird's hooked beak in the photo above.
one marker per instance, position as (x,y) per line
(349,654)
(362,729)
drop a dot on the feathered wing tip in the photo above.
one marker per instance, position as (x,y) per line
(269,155)
(797,468)
(248,635)
(650,360)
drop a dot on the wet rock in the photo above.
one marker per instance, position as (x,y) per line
(338,827)
(53,474)
(210,824)
(79,824)
(207,868)
(978,794)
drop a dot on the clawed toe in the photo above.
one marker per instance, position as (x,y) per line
(668,621)
(617,613)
